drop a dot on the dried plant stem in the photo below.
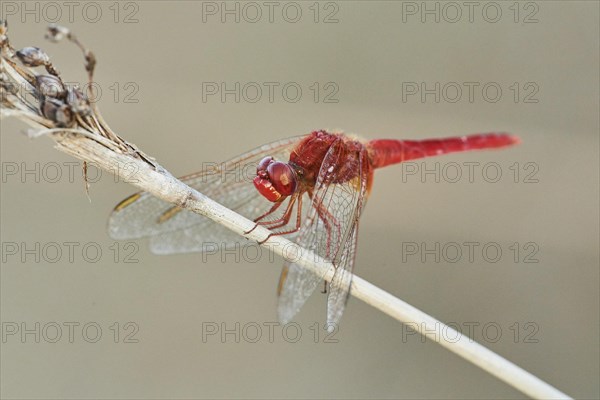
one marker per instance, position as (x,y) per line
(170,189)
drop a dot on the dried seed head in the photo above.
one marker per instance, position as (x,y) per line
(33,56)
(57,111)
(8,86)
(8,91)
(3,30)
(50,86)
(56,33)
(64,117)
(78,102)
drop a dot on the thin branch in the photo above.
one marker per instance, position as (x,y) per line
(89,139)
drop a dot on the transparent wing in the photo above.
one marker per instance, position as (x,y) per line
(173,230)
(327,229)
(339,288)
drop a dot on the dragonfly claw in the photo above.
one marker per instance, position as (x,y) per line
(253,228)
(260,242)
(324,291)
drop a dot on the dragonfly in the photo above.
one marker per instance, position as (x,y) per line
(310,188)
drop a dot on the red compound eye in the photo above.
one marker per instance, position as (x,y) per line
(274,180)
(261,168)
(282,177)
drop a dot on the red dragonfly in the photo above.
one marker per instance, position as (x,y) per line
(311,188)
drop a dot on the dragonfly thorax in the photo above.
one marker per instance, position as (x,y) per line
(275,180)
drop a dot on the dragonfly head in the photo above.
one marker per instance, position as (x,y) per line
(275,180)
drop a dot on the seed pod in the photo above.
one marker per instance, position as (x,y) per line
(78,102)
(8,86)
(50,86)
(3,30)
(33,56)
(57,111)
(64,117)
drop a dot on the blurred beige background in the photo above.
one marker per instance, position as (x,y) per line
(162,60)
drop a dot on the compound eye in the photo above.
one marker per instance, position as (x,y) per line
(261,168)
(282,177)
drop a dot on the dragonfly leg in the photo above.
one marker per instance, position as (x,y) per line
(326,217)
(298,221)
(285,218)
(271,211)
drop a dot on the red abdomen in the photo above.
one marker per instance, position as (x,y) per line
(388,151)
